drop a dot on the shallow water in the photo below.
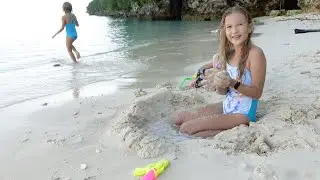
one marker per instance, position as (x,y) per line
(126,53)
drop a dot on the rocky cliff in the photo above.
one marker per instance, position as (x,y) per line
(309,5)
(194,9)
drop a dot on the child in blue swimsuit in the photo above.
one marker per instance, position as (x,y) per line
(69,20)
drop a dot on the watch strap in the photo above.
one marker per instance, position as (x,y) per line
(237,85)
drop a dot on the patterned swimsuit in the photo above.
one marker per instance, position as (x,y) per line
(236,102)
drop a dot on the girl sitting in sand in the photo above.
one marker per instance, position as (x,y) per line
(69,20)
(237,57)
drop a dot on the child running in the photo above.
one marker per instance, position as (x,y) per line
(69,20)
(237,57)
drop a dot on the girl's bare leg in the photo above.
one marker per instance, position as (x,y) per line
(69,42)
(203,125)
(208,110)
(77,52)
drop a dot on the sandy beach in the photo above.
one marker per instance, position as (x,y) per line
(108,135)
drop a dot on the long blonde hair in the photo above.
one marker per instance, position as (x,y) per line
(226,48)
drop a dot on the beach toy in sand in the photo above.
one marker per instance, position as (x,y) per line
(184,80)
(198,76)
(195,76)
(156,168)
(156,171)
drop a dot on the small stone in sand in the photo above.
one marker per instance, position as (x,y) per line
(305,72)
(56,65)
(83,166)
(99,112)
(25,140)
(44,104)
(90,178)
(140,93)
(76,113)
(76,139)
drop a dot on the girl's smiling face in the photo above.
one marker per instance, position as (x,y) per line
(237,28)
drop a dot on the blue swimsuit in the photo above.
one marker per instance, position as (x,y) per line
(236,102)
(71,29)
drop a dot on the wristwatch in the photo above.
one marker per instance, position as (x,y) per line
(237,85)
(201,71)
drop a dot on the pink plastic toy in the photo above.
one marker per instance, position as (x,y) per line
(151,175)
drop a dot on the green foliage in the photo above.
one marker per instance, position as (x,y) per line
(116,5)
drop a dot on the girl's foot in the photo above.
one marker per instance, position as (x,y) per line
(78,55)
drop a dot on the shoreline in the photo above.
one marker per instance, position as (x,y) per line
(76,131)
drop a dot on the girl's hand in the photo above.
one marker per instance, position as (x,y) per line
(223,79)
(208,81)
(208,85)
(193,83)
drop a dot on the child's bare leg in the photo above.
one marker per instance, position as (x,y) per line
(216,122)
(77,52)
(208,110)
(69,42)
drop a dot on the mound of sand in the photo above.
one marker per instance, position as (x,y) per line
(134,124)
(147,128)
(288,128)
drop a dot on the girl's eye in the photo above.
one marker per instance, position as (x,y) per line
(228,27)
(240,24)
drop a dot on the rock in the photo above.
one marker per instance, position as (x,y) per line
(83,166)
(257,22)
(140,92)
(305,72)
(309,5)
(196,9)
(56,65)
(293,12)
(24,140)
(76,113)
(274,13)
(90,178)
(44,104)
(189,9)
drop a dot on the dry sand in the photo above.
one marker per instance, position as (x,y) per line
(106,137)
